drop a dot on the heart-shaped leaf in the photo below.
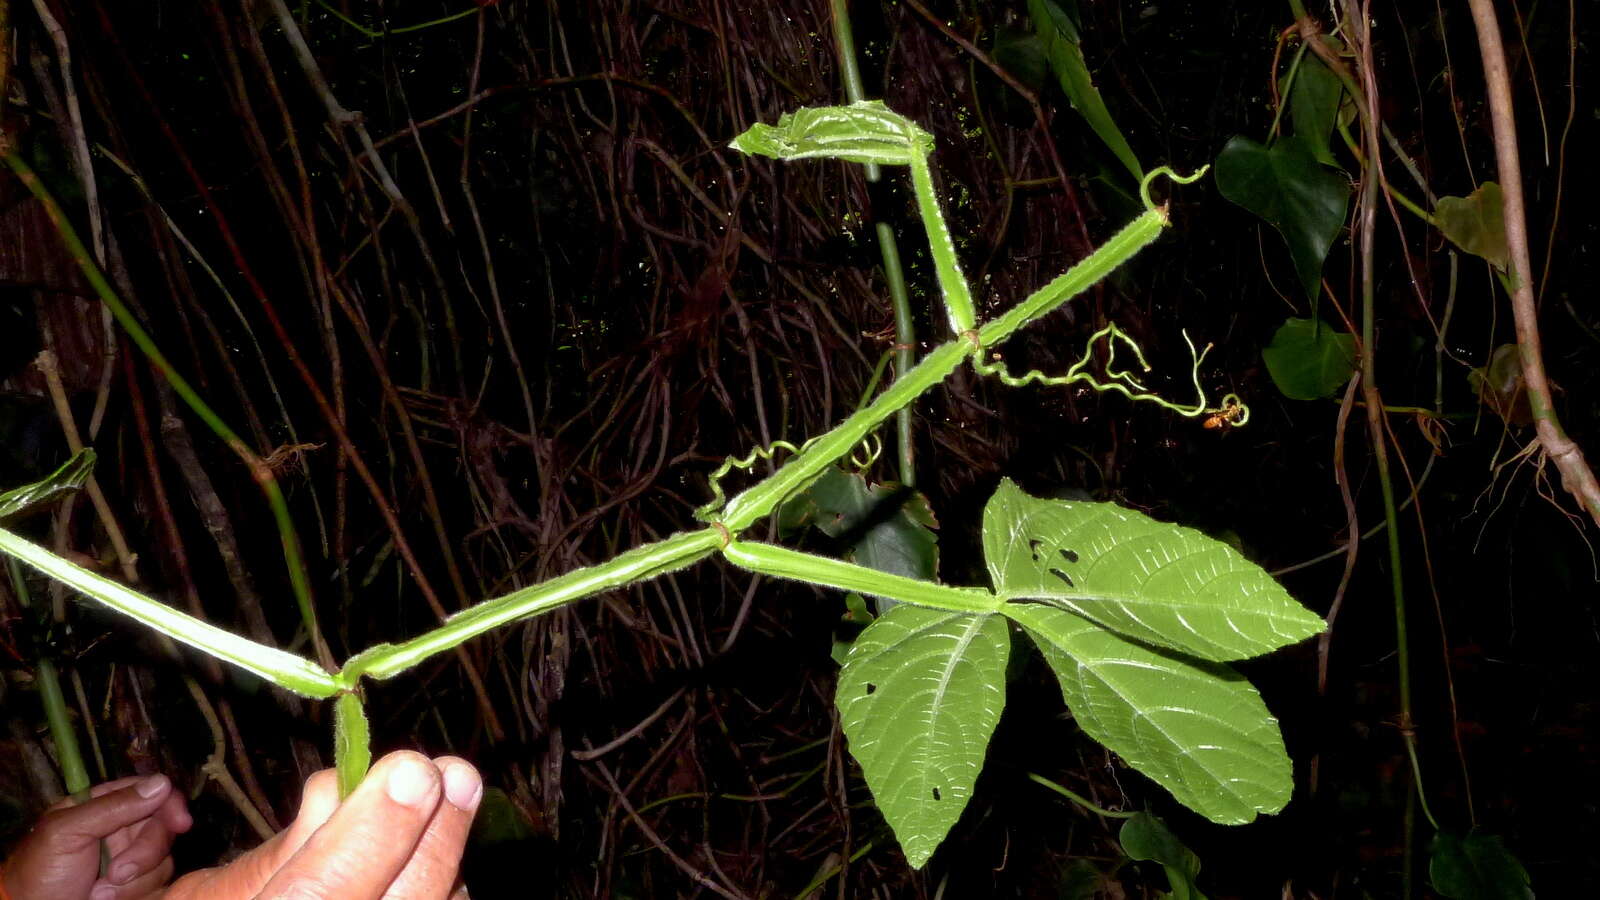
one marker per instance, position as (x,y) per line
(1308,360)
(1060,39)
(1476,867)
(919,698)
(1476,223)
(1197,729)
(1285,185)
(864,132)
(1162,584)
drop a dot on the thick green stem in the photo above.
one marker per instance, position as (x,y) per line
(638,564)
(781,562)
(284,669)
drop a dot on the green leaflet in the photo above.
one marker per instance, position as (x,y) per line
(864,132)
(1160,584)
(69,477)
(1197,729)
(1308,359)
(919,698)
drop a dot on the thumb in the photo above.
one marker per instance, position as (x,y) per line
(247,875)
(73,828)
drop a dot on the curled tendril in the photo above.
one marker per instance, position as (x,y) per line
(870,448)
(743,464)
(1144,186)
(1121,381)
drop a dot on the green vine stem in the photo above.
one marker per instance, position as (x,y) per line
(781,562)
(69,756)
(888,247)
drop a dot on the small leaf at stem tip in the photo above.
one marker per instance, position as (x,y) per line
(69,476)
(864,132)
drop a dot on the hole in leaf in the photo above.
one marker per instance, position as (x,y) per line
(936,793)
(1033,547)
(871,688)
(1070,556)
(1063,576)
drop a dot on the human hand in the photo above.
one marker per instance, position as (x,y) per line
(60,857)
(399,836)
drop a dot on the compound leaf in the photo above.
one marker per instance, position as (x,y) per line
(1198,729)
(919,697)
(1154,582)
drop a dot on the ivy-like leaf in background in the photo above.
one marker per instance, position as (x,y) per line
(1161,584)
(1308,360)
(1146,838)
(1285,185)
(919,698)
(1476,223)
(1198,729)
(1476,867)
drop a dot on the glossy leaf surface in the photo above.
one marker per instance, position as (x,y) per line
(1151,581)
(919,698)
(1285,185)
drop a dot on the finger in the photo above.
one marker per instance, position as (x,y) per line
(73,828)
(144,852)
(358,853)
(146,886)
(432,868)
(99,790)
(247,875)
(174,814)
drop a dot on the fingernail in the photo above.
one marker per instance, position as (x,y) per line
(123,874)
(151,786)
(463,786)
(103,892)
(409,782)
